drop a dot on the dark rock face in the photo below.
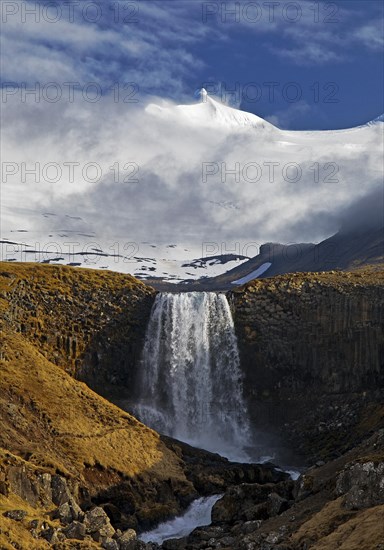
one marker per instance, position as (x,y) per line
(97,524)
(128,541)
(68,512)
(22,484)
(250,502)
(59,490)
(362,485)
(75,530)
(210,473)
(312,351)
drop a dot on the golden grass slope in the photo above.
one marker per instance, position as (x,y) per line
(53,423)
(57,420)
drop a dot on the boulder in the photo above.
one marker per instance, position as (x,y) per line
(68,512)
(50,534)
(98,525)
(60,491)
(127,541)
(251,501)
(63,513)
(75,530)
(16,515)
(362,484)
(110,544)
(276,504)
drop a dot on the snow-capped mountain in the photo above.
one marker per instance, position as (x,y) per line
(211,185)
(376,120)
(211,113)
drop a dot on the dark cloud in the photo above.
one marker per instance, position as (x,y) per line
(364,213)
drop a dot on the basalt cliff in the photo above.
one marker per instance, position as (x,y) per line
(312,351)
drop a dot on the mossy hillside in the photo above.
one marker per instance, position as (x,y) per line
(58,425)
(362,530)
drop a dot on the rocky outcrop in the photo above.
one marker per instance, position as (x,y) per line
(312,351)
(250,502)
(362,485)
(210,473)
(54,499)
(339,504)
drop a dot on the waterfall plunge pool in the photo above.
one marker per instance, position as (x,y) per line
(198,514)
(191,388)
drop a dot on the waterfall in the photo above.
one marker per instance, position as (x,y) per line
(190,383)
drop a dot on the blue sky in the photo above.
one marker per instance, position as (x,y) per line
(302,65)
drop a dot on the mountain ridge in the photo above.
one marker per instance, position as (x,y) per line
(344,250)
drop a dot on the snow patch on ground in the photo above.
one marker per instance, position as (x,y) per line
(253,275)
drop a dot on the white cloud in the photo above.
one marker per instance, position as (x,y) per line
(309,54)
(371,35)
(286,117)
(82,52)
(171,201)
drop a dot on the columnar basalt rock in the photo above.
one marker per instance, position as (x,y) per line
(312,349)
(90,323)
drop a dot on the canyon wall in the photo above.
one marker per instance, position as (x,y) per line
(312,352)
(311,345)
(75,471)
